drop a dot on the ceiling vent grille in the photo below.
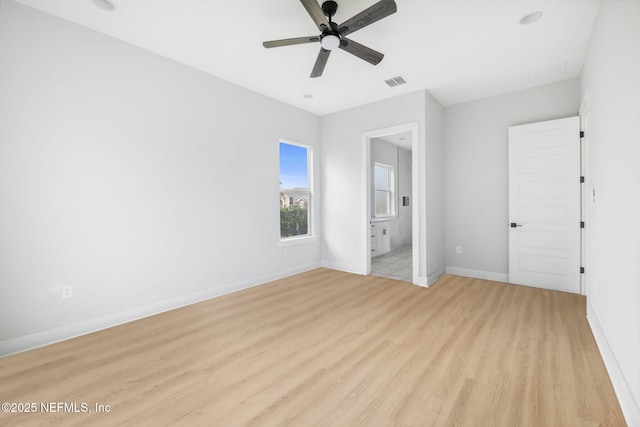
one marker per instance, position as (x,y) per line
(395,81)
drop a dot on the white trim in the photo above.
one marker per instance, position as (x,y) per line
(392,191)
(381,219)
(291,241)
(343,266)
(478,274)
(62,333)
(418,207)
(355,269)
(585,195)
(311,223)
(629,406)
(433,277)
(422,281)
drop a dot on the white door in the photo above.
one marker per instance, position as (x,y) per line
(544,205)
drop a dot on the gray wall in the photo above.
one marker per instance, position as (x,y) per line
(142,183)
(476,177)
(342,180)
(611,87)
(435,189)
(147,185)
(404,189)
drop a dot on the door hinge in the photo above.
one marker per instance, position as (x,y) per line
(581,270)
(581,224)
(581,134)
(581,179)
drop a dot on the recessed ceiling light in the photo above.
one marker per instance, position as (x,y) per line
(307,96)
(530,18)
(104,4)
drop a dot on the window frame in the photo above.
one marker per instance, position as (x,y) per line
(391,181)
(310,236)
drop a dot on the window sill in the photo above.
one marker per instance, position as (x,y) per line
(297,241)
(382,218)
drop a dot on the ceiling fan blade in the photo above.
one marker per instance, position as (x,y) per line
(289,42)
(368,16)
(361,51)
(318,68)
(315,11)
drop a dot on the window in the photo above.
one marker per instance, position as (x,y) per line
(383,190)
(295,190)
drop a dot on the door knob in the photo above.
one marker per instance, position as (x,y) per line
(514,225)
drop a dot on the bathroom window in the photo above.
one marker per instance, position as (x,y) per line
(383,184)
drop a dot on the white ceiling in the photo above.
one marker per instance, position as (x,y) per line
(458,50)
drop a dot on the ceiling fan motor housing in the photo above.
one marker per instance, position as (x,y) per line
(329,8)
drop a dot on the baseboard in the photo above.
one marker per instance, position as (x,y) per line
(431,278)
(343,266)
(423,281)
(355,269)
(629,405)
(478,274)
(62,333)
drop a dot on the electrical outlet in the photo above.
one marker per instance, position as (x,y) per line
(67,291)
(458,249)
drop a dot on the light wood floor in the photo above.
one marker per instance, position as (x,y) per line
(330,348)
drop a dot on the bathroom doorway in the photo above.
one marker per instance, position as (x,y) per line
(391,211)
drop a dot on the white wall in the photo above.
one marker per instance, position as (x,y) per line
(476,172)
(342,183)
(611,85)
(139,181)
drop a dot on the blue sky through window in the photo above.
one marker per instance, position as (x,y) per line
(293,166)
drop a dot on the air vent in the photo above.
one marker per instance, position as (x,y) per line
(395,81)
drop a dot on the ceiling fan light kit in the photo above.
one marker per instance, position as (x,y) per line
(330,42)
(333,36)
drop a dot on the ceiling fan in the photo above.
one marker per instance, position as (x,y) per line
(333,35)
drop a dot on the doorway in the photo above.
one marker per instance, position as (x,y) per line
(391,244)
(391,225)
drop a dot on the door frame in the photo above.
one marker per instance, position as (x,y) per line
(418,209)
(573,197)
(586,203)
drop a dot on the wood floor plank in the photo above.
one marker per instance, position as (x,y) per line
(331,348)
